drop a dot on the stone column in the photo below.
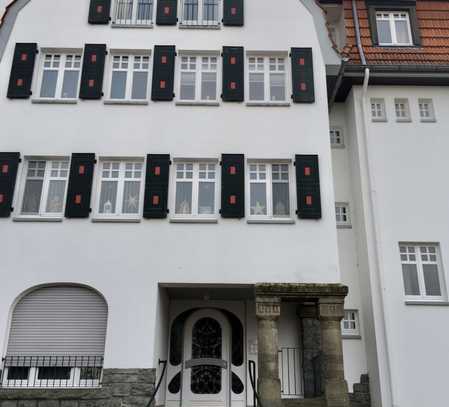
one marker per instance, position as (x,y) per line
(331,312)
(311,348)
(268,310)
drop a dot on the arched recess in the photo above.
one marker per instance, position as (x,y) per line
(57,332)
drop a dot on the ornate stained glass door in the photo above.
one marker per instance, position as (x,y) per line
(206,360)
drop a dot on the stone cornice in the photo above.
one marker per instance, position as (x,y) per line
(300,290)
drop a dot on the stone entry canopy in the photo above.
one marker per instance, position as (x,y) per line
(327,302)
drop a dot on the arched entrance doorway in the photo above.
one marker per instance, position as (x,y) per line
(206,360)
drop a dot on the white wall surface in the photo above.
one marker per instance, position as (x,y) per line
(125,262)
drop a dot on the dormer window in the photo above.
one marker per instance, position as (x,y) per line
(393,28)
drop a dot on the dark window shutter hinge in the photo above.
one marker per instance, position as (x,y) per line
(170,162)
(219,211)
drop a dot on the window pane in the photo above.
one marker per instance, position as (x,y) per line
(209,86)
(32,196)
(188,85)
(55,198)
(210,10)
(48,88)
(431,279)
(140,81)
(183,198)
(70,84)
(108,197)
(410,275)
(206,198)
(258,199)
(277,86)
(118,85)
(144,10)
(281,201)
(383,32)
(402,36)
(191,10)
(256,86)
(131,194)
(124,9)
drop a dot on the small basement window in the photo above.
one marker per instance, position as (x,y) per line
(350,323)
(426,110)
(402,110)
(378,113)
(336,136)
(342,214)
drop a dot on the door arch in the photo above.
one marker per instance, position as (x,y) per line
(206,360)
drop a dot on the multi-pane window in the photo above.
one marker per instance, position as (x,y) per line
(267,78)
(130,12)
(350,323)
(129,77)
(120,188)
(269,187)
(336,136)
(393,28)
(402,110)
(195,189)
(342,214)
(45,187)
(198,79)
(200,12)
(60,76)
(426,111)
(378,113)
(421,270)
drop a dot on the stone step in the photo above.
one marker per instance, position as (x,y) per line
(316,402)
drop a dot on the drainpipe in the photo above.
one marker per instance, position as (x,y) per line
(372,200)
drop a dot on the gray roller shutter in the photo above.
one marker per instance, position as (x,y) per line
(59,320)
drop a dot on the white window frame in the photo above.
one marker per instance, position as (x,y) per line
(426,119)
(422,289)
(131,54)
(402,110)
(343,223)
(381,15)
(255,218)
(118,216)
(63,52)
(351,316)
(198,77)
(134,21)
(375,117)
(267,81)
(200,21)
(194,215)
(45,187)
(336,133)
(74,381)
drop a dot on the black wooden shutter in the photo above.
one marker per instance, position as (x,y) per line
(167,11)
(22,71)
(156,186)
(163,72)
(233,13)
(302,75)
(233,186)
(308,186)
(233,74)
(80,185)
(99,11)
(9,163)
(93,71)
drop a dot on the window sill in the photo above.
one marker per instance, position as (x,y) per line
(126,102)
(428,120)
(131,25)
(36,219)
(186,103)
(55,101)
(272,221)
(268,104)
(343,336)
(116,220)
(431,303)
(403,120)
(216,26)
(344,226)
(337,146)
(193,220)
(379,120)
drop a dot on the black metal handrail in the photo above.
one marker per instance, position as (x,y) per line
(252,379)
(161,362)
